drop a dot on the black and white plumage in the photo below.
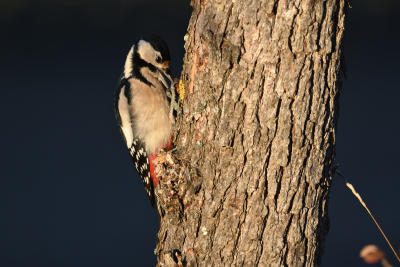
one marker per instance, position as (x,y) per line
(142,107)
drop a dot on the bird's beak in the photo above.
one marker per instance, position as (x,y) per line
(164,72)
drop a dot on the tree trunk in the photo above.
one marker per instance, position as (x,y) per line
(249,183)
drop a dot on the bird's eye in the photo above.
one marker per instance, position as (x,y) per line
(158,59)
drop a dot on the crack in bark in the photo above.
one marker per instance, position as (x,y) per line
(236,241)
(321,25)
(285,254)
(278,185)
(289,156)
(265,171)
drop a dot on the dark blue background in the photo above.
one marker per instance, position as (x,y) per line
(69,194)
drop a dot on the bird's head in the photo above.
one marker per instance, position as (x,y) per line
(150,54)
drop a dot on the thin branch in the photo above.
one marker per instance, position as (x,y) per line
(365,206)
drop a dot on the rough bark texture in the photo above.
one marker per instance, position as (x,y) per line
(250,182)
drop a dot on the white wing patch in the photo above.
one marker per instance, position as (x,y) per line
(124,112)
(128,64)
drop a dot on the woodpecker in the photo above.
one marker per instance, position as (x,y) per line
(142,108)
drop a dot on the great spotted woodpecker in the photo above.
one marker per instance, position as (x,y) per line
(142,108)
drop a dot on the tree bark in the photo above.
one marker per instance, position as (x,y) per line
(249,183)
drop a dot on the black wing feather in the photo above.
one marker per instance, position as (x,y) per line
(141,162)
